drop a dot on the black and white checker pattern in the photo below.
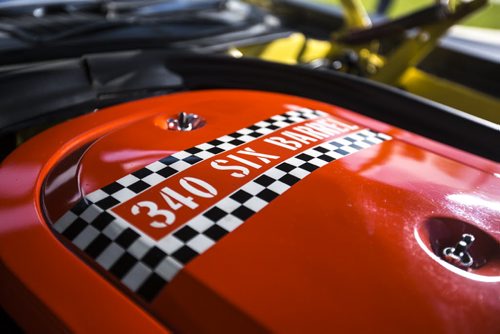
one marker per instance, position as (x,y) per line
(203,231)
(145,266)
(142,264)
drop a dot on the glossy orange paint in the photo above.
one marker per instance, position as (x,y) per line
(341,250)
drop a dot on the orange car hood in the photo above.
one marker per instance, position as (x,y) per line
(279,214)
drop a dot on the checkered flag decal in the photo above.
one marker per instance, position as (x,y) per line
(128,254)
(145,266)
(200,233)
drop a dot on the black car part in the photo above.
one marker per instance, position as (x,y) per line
(43,92)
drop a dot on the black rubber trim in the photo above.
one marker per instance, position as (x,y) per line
(381,102)
(72,87)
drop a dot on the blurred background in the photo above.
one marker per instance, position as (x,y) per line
(488,17)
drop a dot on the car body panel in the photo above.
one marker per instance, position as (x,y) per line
(345,248)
